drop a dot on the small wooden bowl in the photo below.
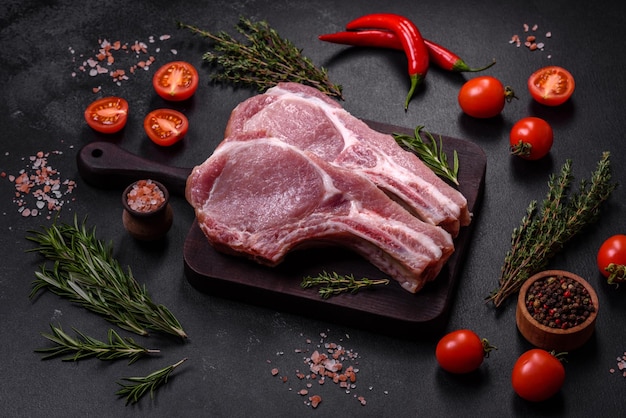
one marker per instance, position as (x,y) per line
(549,338)
(151,225)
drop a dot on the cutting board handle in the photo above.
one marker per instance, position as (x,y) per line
(107,166)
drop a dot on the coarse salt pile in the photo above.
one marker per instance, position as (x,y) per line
(39,187)
(327,362)
(119,60)
(145,196)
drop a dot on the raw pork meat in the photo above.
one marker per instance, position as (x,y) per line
(305,117)
(261,197)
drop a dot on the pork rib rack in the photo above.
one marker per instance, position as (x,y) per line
(306,118)
(261,197)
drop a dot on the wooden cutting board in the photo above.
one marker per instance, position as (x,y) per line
(387,309)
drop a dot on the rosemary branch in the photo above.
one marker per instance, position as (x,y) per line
(333,283)
(139,386)
(84,346)
(542,234)
(431,154)
(85,272)
(264,61)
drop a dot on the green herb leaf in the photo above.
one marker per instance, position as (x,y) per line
(85,272)
(263,60)
(84,346)
(431,154)
(333,283)
(543,233)
(139,386)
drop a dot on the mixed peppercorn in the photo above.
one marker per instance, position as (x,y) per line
(559,302)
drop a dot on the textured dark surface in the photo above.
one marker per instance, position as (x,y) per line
(43,43)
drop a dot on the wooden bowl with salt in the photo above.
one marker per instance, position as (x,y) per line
(556,319)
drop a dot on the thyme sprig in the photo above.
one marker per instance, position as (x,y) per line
(542,234)
(85,272)
(333,283)
(431,154)
(265,60)
(84,346)
(140,385)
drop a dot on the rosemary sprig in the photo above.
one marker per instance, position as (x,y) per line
(334,283)
(139,386)
(264,61)
(85,272)
(542,235)
(84,346)
(431,154)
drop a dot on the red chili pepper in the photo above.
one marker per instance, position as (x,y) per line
(410,38)
(439,55)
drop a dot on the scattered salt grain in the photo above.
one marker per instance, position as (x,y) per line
(112,57)
(531,42)
(39,187)
(621,365)
(327,361)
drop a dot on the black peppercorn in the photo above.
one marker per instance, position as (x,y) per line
(559,302)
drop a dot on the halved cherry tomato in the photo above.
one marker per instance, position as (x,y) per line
(531,138)
(461,351)
(176,81)
(551,85)
(537,375)
(107,115)
(165,127)
(613,251)
(484,97)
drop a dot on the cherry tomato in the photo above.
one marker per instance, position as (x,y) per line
(107,115)
(537,375)
(484,97)
(461,351)
(551,85)
(176,81)
(531,138)
(613,250)
(165,126)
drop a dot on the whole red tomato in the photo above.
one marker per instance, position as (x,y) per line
(484,97)
(461,351)
(537,375)
(613,251)
(551,85)
(531,138)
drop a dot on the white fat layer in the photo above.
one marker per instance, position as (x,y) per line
(385,163)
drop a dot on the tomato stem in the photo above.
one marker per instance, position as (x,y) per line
(617,273)
(509,94)
(487,347)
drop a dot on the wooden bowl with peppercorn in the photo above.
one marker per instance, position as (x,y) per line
(556,310)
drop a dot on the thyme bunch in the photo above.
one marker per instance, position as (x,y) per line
(333,283)
(85,272)
(431,154)
(140,385)
(264,61)
(84,346)
(543,233)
